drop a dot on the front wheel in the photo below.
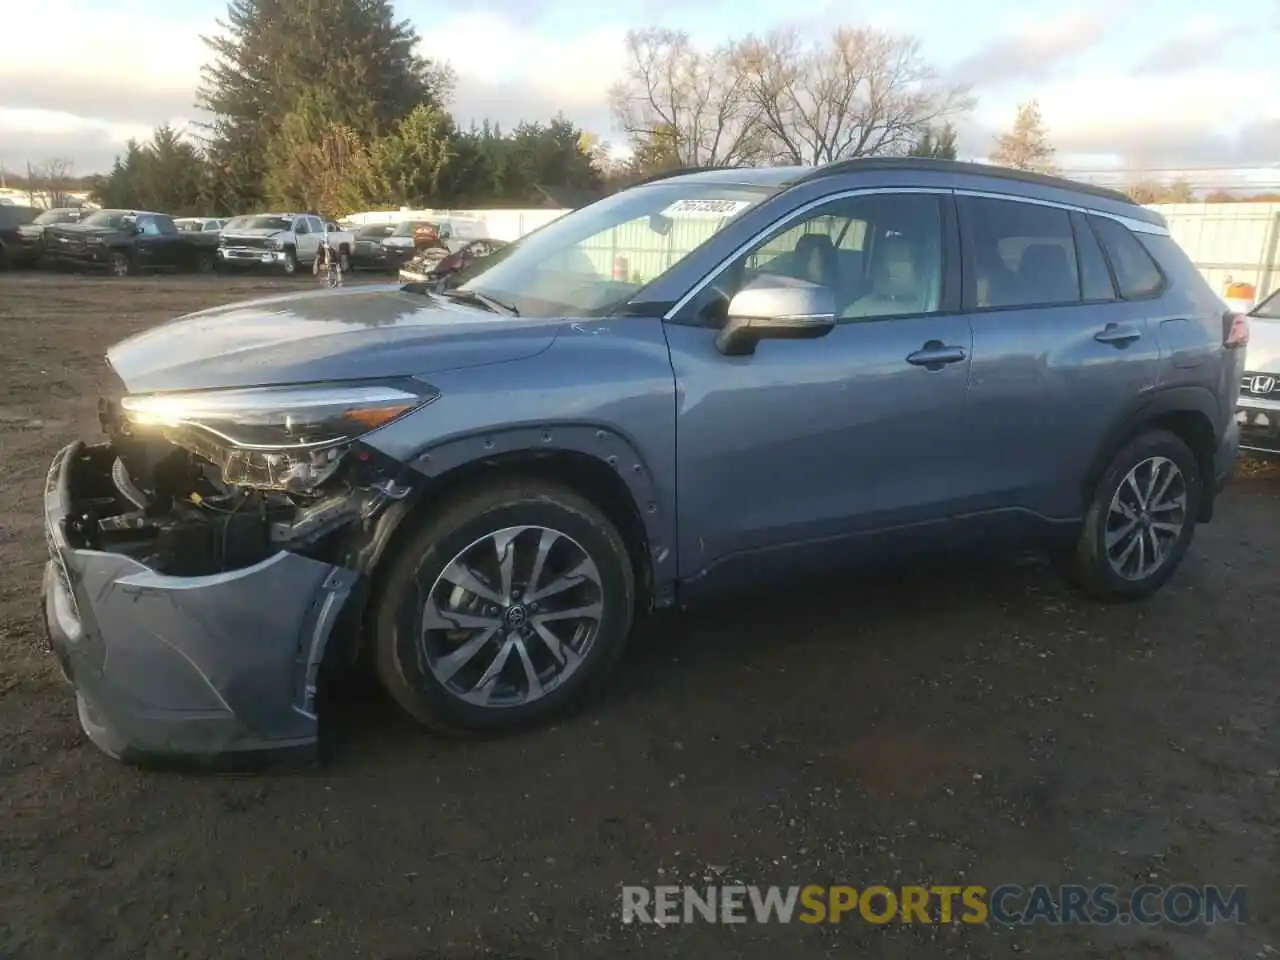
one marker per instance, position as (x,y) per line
(121,264)
(1141,519)
(290,263)
(507,608)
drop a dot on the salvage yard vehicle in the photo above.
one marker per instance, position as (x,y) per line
(282,241)
(200,224)
(30,248)
(1259,408)
(481,487)
(13,218)
(126,242)
(433,266)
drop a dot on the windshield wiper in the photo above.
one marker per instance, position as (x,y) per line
(482,299)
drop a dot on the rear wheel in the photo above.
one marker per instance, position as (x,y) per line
(507,608)
(1141,519)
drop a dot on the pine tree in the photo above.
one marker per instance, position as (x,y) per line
(939,144)
(351,57)
(1026,146)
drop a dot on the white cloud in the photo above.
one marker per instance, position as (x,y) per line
(1153,120)
(510,72)
(118,73)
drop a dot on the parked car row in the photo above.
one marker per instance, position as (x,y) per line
(124,242)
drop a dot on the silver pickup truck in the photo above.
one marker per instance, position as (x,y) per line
(281,240)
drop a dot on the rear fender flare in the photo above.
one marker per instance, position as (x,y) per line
(1142,411)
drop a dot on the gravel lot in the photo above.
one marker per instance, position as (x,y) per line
(972,723)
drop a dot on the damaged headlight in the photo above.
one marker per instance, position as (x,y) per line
(278,438)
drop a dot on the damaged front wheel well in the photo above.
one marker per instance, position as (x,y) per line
(580,472)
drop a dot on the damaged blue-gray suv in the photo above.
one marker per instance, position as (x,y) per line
(715,379)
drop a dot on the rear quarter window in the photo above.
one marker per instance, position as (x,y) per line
(1136,272)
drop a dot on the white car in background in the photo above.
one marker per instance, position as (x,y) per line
(1258,410)
(200,224)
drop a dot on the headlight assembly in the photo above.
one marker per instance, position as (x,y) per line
(282,438)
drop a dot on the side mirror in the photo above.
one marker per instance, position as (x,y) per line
(776,308)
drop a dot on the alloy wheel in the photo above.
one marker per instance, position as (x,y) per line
(1147,515)
(511,617)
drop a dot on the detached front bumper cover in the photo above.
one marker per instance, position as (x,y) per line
(218,667)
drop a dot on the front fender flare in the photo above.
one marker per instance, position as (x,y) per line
(604,444)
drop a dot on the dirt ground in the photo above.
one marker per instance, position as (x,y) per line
(954,723)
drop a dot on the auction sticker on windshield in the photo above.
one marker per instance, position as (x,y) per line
(712,209)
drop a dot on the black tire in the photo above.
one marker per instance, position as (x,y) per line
(399,607)
(206,263)
(344,260)
(121,264)
(290,261)
(1089,566)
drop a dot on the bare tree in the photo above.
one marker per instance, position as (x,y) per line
(693,101)
(1026,146)
(49,183)
(858,92)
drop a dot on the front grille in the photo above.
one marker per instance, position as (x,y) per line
(69,244)
(1265,385)
(249,243)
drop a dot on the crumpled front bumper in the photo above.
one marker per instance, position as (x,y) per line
(208,668)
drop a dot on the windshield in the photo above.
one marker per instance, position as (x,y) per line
(375,231)
(1268,309)
(56,216)
(106,218)
(590,262)
(265,223)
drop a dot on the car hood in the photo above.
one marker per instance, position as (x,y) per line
(265,232)
(353,334)
(81,230)
(1263,353)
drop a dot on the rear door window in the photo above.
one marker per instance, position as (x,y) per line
(1018,254)
(1095,276)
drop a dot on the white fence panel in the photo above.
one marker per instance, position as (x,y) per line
(1229,242)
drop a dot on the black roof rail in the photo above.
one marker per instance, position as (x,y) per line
(933,164)
(678,172)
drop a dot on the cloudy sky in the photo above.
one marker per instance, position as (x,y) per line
(1152,83)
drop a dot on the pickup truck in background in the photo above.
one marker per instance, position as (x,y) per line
(29,250)
(128,242)
(281,240)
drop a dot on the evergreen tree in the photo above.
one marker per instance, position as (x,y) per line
(1026,146)
(939,144)
(352,57)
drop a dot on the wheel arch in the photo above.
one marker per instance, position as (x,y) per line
(1187,412)
(594,462)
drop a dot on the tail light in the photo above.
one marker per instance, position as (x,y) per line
(1235,330)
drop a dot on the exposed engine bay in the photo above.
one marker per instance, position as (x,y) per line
(185,504)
